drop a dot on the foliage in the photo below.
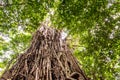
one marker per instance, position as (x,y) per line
(94,22)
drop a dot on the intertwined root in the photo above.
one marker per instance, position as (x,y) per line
(48,58)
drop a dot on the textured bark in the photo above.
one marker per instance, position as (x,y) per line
(48,58)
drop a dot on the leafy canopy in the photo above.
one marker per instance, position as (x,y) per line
(93,24)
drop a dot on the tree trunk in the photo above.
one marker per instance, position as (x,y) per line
(48,58)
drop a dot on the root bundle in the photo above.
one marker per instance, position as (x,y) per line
(47,58)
